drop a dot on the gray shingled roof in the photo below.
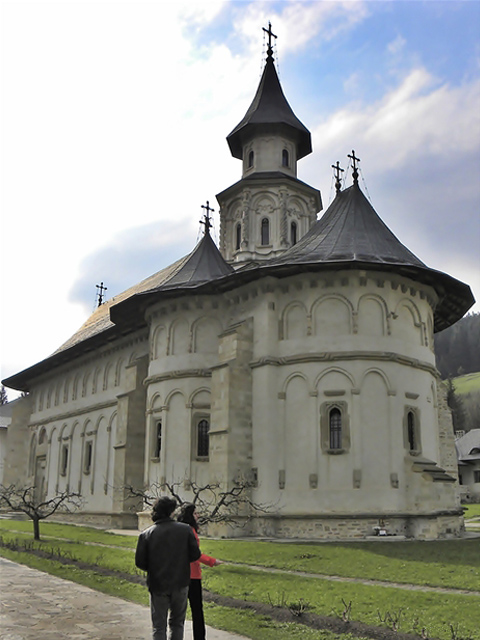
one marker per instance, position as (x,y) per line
(351,235)
(269,111)
(350,230)
(202,266)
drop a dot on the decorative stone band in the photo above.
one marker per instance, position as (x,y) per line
(184,373)
(333,356)
(74,412)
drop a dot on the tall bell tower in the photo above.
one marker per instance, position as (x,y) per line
(269,209)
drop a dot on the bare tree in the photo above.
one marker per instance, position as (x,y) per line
(3,395)
(213,503)
(25,500)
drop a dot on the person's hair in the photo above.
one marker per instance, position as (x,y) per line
(186,515)
(163,508)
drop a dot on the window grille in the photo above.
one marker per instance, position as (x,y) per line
(335,424)
(203,439)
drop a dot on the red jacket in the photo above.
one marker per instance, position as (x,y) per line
(195,569)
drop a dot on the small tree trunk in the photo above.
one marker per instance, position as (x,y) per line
(36,528)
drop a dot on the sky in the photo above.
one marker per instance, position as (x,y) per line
(114,117)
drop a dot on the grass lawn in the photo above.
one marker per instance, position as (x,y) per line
(467,384)
(472,511)
(452,563)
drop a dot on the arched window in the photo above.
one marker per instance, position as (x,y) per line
(158,440)
(293,233)
(203,439)
(335,428)
(265,231)
(285,158)
(251,155)
(412,444)
(238,235)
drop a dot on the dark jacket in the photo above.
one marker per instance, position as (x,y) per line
(165,551)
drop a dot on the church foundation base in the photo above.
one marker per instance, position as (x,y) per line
(348,527)
(100,520)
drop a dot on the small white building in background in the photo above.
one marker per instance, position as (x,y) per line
(298,355)
(468,455)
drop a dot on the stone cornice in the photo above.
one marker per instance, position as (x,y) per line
(335,356)
(74,413)
(184,373)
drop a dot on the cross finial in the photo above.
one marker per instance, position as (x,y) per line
(206,220)
(270,35)
(336,172)
(354,160)
(100,291)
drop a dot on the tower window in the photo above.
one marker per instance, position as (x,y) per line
(251,156)
(203,438)
(265,231)
(411,430)
(293,233)
(238,236)
(335,428)
(285,158)
(158,440)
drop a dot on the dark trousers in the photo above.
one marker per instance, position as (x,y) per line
(196,607)
(171,605)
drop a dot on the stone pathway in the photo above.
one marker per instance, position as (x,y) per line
(38,606)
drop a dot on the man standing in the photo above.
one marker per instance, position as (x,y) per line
(165,551)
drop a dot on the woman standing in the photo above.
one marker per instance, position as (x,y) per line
(188,515)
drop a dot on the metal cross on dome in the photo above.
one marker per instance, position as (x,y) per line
(336,171)
(206,222)
(354,160)
(270,35)
(101,289)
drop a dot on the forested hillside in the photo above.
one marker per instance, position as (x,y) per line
(458,353)
(458,347)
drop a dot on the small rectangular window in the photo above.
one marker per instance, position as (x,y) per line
(203,438)
(158,440)
(476,476)
(335,428)
(87,462)
(64,460)
(411,426)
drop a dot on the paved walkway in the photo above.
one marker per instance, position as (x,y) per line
(38,606)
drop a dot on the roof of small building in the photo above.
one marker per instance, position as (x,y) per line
(269,111)
(466,444)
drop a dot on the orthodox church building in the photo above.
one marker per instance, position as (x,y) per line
(298,356)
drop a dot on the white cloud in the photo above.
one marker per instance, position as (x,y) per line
(416,119)
(396,46)
(297,23)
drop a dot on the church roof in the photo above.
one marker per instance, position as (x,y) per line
(350,230)
(351,235)
(269,112)
(202,266)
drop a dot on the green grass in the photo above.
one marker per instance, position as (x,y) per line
(472,511)
(80,534)
(469,383)
(453,563)
(445,563)
(431,610)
